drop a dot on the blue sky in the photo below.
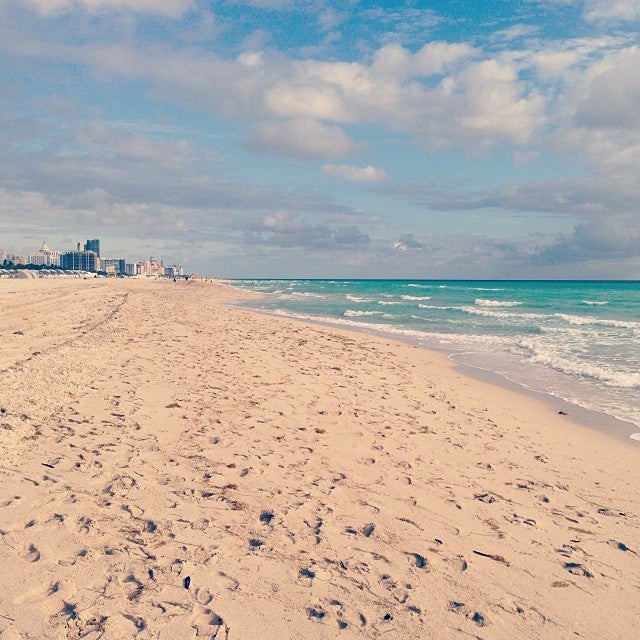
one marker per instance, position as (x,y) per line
(306,138)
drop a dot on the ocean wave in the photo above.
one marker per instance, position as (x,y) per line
(389,303)
(542,320)
(385,329)
(600,322)
(351,313)
(439,307)
(353,298)
(482,302)
(416,297)
(488,313)
(541,352)
(298,295)
(595,303)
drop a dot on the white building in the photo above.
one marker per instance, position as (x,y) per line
(174,271)
(45,257)
(152,267)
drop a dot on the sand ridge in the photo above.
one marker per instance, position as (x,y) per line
(175,468)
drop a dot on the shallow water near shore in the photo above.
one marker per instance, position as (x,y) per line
(576,341)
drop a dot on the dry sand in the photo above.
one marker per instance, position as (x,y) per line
(175,468)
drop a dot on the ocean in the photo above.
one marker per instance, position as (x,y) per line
(577,341)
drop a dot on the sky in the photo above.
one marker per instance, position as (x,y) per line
(307,138)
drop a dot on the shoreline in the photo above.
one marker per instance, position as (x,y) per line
(195,469)
(591,419)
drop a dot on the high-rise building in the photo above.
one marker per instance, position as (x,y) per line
(151,267)
(80,261)
(93,245)
(117,265)
(174,271)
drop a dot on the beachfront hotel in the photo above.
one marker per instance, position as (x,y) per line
(80,261)
(44,257)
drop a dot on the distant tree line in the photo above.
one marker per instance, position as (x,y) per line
(8,264)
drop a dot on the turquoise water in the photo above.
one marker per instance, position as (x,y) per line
(578,341)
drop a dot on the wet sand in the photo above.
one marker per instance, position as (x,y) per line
(172,467)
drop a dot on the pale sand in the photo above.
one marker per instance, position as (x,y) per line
(173,468)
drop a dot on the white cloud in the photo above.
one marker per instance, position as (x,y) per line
(608,95)
(171,8)
(400,24)
(286,229)
(491,103)
(554,64)
(440,95)
(408,242)
(444,94)
(271,5)
(431,59)
(302,138)
(611,10)
(323,102)
(355,174)
(330,18)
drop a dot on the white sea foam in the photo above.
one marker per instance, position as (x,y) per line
(353,298)
(481,302)
(301,295)
(414,334)
(351,313)
(416,297)
(435,306)
(389,303)
(595,303)
(601,322)
(548,354)
(488,313)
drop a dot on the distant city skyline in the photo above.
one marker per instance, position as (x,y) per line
(247,138)
(85,256)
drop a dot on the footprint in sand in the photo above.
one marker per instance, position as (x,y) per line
(31,554)
(419,560)
(230,583)
(138,622)
(203,596)
(202,555)
(207,623)
(620,546)
(305,577)
(578,569)
(474,616)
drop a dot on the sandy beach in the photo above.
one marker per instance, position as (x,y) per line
(173,467)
